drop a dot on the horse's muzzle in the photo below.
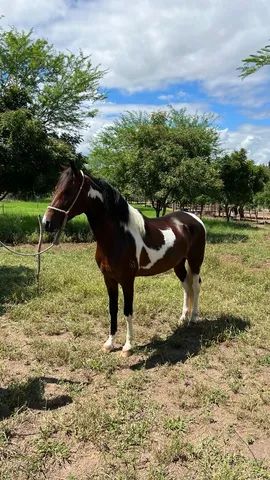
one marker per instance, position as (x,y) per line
(48,226)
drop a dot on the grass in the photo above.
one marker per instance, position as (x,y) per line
(19,223)
(192,402)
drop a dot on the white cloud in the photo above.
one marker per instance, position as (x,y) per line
(153,44)
(175,96)
(255,139)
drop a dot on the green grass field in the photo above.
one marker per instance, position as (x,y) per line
(191,403)
(19,222)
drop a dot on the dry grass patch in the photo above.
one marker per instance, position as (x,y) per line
(192,402)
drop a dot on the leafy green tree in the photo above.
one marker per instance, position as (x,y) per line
(141,153)
(42,92)
(29,157)
(262,198)
(199,182)
(58,88)
(242,179)
(254,62)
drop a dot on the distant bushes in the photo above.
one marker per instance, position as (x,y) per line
(15,229)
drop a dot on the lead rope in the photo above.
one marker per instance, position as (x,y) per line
(39,252)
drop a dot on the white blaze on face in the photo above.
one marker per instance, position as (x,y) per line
(136,228)
(93,193)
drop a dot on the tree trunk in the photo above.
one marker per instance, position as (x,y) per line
(227,211)
(3,196)
(157,206)
(201,210)
(241,212)
(164,209)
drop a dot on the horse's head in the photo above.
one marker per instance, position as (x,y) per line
(67,201)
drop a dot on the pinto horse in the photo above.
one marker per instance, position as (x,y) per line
(130,245)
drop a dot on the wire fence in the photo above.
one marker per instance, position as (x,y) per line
(23,209)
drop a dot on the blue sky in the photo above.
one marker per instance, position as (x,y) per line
(156,52)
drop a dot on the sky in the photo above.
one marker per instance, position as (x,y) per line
(157,53)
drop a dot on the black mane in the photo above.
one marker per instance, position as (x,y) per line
(114,203)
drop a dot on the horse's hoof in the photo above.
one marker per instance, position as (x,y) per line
(126,353)
(184,320)
(195,319)
(107,348)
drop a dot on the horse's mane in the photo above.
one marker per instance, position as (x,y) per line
(113,201)
(64,178)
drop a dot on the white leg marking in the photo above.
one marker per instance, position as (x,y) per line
(187,303)
(188,297)
(109,344)
(196,291)
(128,345)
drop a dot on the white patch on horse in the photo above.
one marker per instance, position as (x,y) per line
(155,255)
(136,228)
(136,220)
(196,218)
(93,193)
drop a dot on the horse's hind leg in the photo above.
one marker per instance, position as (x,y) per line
(195,266)
(186,280)
(112,288)
(196,287)
(128,292)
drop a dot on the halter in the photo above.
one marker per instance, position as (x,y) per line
(66,212)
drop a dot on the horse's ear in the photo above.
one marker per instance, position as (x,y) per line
(74,168)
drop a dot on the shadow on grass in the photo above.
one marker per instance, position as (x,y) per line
(188,341)
(220,231)
(13,284)
(19,396)
(232,224)
(229,237)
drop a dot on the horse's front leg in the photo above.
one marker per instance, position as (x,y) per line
(112,288)
(128,292)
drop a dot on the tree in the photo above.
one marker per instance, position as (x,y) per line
(242,179)
(29,157)
(142,152)
(262,198)
(254,62)
(199,182)
(58,88)
(42,93)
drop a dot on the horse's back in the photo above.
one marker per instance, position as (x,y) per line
(181,220)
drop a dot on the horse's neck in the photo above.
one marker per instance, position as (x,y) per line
(109,231)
